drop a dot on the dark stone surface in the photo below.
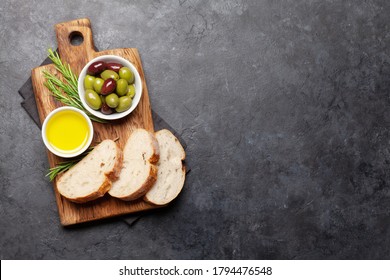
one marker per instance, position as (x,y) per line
(284,106)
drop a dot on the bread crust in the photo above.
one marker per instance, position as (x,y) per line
(110,176)
(113,175)
(95,195)
(146,186)
(156,149)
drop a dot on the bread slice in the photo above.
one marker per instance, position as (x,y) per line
(171,171)
(139,172)
(92,177)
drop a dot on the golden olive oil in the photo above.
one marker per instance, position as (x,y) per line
(67,131)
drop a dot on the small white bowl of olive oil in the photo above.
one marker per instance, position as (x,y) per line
(67,132)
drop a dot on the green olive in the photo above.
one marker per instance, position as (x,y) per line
(124,104)
(112,100)
(109,74)
(121,87)
(131,91)
(93,100)
(88,82)
(125,73)
(97,85)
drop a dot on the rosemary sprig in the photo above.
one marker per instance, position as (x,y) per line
(65,91)
(59,168)
(65,70)
(66,165)
(58,88)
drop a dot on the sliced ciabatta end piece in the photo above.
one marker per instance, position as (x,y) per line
(138,172)
(171,171)
(92,177)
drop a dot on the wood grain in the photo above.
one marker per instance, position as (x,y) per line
(77,56)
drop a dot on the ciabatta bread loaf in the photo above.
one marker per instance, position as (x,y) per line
(92,177)
(171,171)
(139,171)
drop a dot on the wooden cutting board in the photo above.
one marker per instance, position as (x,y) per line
(78,56)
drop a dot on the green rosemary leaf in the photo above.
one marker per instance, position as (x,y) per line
(66,165)
(62,167)
(65,91)
(56,83)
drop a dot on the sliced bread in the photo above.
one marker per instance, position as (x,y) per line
(171,171)
(138,172)
(92,177)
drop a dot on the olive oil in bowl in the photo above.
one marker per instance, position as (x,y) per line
(67,132)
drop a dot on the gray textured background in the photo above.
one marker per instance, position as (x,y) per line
(284,106)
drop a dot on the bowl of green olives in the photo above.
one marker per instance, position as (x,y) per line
(109,87)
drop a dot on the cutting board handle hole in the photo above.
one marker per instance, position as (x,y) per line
(76,38)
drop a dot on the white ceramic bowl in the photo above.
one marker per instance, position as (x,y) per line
(52,148)
(137,85)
